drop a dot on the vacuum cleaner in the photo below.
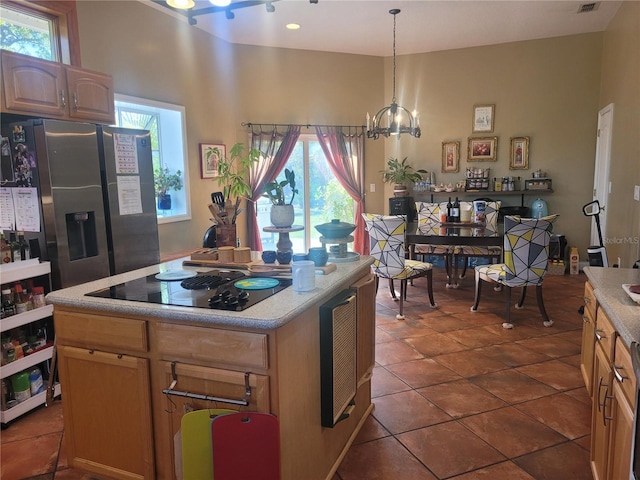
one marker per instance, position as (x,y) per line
(597,253)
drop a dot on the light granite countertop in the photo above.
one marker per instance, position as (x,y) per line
(270,313)
(624,313)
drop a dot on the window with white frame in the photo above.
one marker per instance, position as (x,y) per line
(166,124)
(27,32)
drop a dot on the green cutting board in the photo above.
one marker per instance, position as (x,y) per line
(195,429)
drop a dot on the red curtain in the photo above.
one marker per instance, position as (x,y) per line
(275,148)
(345,155)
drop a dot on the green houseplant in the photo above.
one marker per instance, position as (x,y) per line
(233,177)
(400,173)
(165,181)
(282,214)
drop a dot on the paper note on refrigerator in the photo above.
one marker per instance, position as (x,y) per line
(7,214)
(126,153)
(129,195)
(26,206)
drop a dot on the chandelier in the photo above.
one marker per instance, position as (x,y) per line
(394,119)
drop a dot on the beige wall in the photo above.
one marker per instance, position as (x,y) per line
(546,89)
(621,86)
(152,55)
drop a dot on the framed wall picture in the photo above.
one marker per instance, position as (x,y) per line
(210,154)
(482,149)
(519,159)
(450,157)
(483,117)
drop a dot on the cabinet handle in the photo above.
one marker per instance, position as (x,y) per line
(75,100)
(63,98)
(619,377)
(604,407)
(597,332)
(585,319)
(600,385)
(587,300)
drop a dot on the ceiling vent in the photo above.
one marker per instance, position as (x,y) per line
(588,7)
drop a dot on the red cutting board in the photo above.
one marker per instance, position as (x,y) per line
(246,446)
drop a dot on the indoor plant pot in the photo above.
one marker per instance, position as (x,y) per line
(282,214)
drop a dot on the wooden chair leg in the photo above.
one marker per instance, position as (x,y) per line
(403,286)
(476,300)
(523,295)
(508,324)
(464,267)
(430,288)
(547,322)
(392,289)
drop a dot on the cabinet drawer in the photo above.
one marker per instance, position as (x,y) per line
(623,371)
(590,301)
(97,331)
(605,334)
(197,344)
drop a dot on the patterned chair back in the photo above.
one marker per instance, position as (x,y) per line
(429,213)
(387,237)
(526,249)
(491,215)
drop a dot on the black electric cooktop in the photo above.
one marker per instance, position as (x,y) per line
(217,289)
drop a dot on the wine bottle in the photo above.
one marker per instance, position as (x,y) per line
(449,211)
(16,252)
(25,251)
(455,211)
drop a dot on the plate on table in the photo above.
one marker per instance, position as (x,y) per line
(174,275)
(261,283)
(633,290)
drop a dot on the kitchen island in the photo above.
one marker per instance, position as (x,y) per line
(611,330)
(119,359)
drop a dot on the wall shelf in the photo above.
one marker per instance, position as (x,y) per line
(432,196)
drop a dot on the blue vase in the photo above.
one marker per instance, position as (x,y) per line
(164,202)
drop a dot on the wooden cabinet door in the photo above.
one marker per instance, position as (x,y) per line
(621,441)
(365,327)
(33,86)
(588,348)
(91,96)
(107,410)
(601,414)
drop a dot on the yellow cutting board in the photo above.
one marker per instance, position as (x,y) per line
(197,453)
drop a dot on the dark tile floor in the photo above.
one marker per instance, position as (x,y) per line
(456,396)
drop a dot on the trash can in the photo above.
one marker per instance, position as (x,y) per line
(557,247)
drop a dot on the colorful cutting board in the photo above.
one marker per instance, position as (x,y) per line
(195,429)
(246,445)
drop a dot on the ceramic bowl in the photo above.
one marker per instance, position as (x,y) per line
(319,256)
(284,258)
(336,229)
(269,256)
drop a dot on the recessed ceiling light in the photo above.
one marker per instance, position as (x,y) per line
(182,4)
(220,3)
(293,26)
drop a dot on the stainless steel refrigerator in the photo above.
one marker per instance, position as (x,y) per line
(96,194)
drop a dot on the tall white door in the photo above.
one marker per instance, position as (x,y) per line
(601,184)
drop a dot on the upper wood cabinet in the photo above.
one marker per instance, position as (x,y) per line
(35,87)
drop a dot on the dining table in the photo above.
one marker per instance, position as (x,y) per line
(458,234)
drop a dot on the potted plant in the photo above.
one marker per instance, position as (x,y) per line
(165,181)
(233,177)
(400,173)
(282,214)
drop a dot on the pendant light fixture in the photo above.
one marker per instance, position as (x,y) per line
(394,119)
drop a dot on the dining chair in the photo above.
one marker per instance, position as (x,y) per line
(526,255)
(387,241)
(493,253)
(429,216)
